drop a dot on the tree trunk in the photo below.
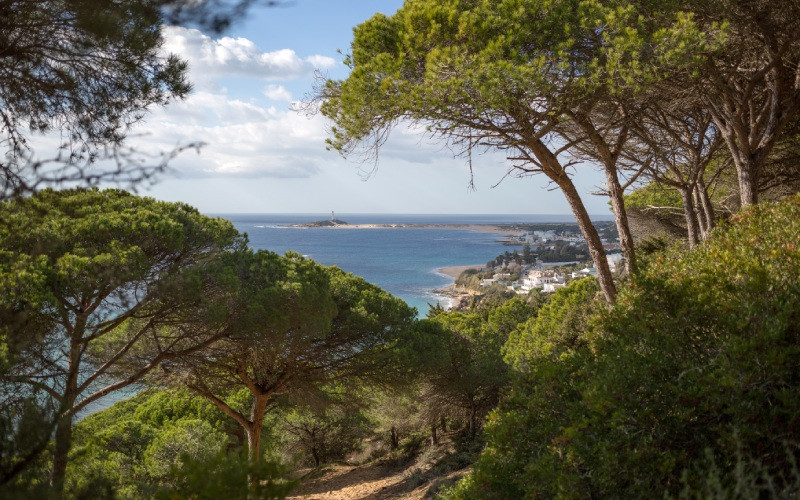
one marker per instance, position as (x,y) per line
(700,215)
(473,421)
(555,171)
(748,150)
(443,423)
(253,443)
(63,436)
(705,201)
(254,429)
(748,192)
(315,454)
(394,441)
(434,437)
(746,164)
(592,239)
(63,443)
(621,219)
(690,215)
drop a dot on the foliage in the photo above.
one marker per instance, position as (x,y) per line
(185,440)
(752,121)
(462,368)
(692,370)
(399,411)
(225,476)
(328,434)
(163,443)
(292,327)
(506,76)
(654,195)
(164,408)
(742,477)
(508,316)
(469,278)
(403,65)
(93,275)
(558,327)
(84,70)
(26,425)
(214,15)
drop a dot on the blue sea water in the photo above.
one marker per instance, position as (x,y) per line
(401,261)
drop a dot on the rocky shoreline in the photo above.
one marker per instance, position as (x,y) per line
(459,297)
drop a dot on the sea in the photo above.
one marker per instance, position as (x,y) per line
(402,261)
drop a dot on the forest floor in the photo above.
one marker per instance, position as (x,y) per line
(420,477)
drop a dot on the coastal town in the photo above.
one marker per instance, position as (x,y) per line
(552,256)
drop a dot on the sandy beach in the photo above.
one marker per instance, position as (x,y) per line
(455,271)
(458,298)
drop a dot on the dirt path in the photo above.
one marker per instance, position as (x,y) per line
(367,482)
(354,482)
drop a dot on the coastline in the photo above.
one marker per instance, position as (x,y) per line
(509,230)
(455,271)
(457,298)
(507,233)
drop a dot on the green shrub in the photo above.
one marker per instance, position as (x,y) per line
(138,446)
(224,476)
(192,439)
(320,436)
(699,356)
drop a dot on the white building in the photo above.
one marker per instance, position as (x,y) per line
(552,287)
(539,279)
(586,271)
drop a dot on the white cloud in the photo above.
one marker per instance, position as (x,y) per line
(249,140)
(225,57)
(244,137)
(277,93)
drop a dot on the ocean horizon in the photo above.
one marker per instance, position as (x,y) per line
(405,261)
(413,218)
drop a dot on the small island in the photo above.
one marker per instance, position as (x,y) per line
(323,223)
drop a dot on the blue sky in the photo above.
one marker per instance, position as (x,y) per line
(262,157)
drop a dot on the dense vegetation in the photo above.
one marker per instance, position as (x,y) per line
(113,290)
(687,385)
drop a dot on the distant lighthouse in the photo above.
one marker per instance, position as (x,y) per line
(332,217)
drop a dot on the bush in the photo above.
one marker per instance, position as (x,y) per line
(186,439)
(699,358)
(226,476)
(139,447)
(322,436)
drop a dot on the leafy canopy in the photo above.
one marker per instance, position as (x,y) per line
(494,72)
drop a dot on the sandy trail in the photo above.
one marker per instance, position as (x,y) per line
(371,482)
(360,482)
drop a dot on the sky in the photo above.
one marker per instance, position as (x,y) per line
(262,157)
